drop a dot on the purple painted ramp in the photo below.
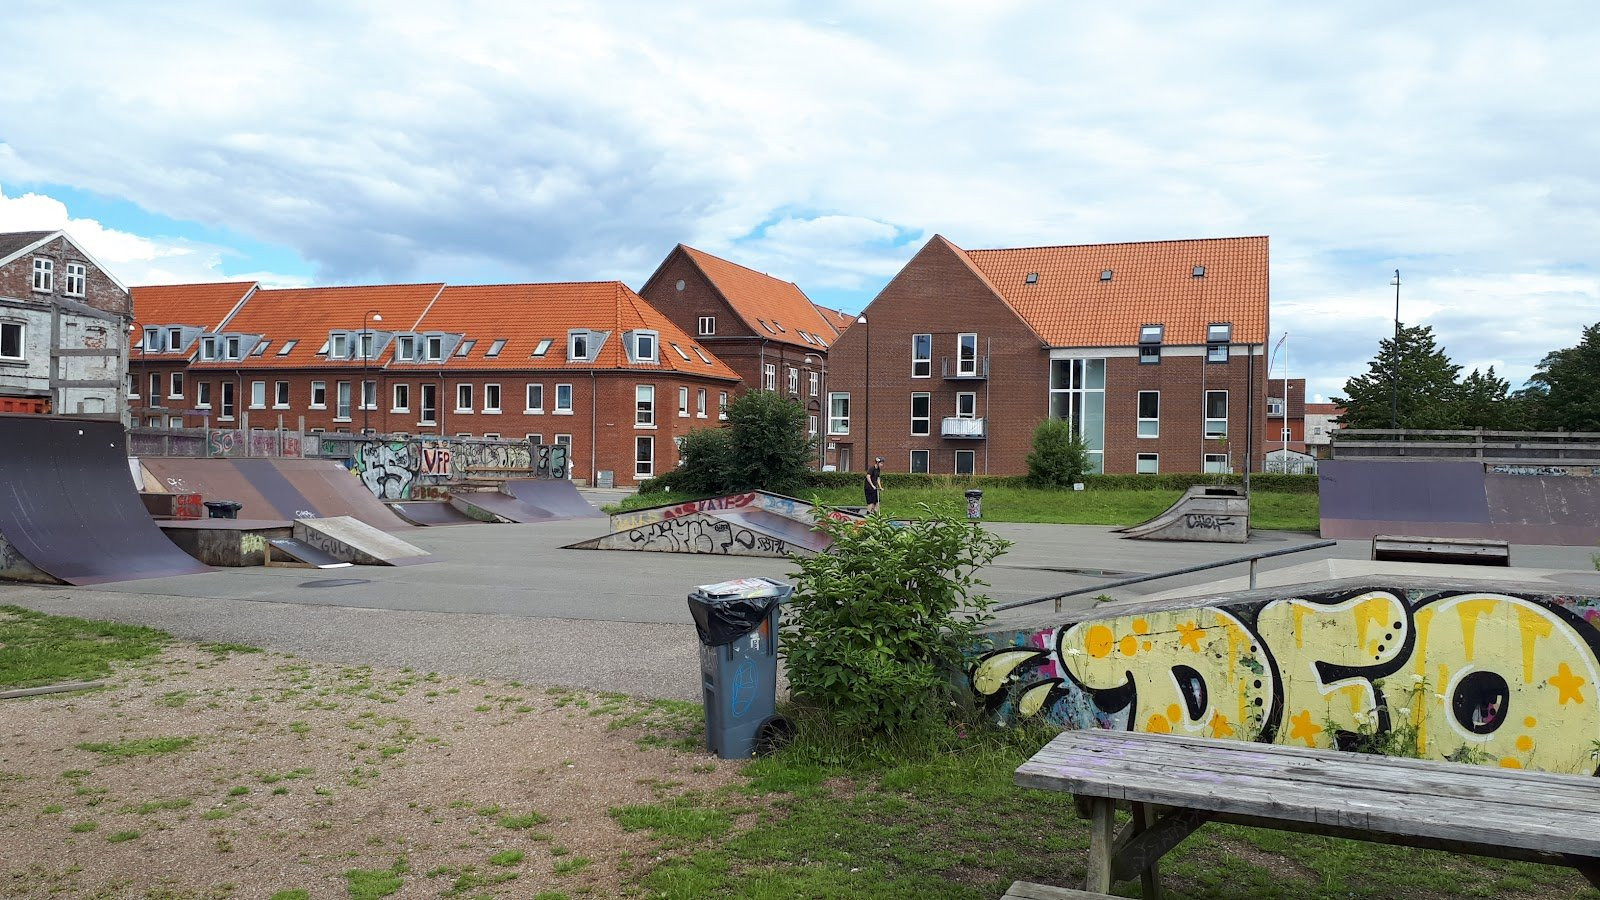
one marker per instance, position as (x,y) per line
(503,505)
(1389,490)
(1546,509)
(68,506)
(558,496)
(430,513)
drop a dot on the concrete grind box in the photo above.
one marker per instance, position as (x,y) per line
(1482,672)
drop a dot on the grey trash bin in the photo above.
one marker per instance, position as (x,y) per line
(974,504)
(738,626)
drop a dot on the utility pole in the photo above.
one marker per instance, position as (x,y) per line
(1394,374)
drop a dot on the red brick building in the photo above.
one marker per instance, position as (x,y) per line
(764,328)
(589,365)
(1154,351)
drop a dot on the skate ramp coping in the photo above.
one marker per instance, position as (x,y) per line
(1208,513)
(777,504)
(349,539)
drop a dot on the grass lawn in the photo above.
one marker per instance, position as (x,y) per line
(1268,510)
(36,649)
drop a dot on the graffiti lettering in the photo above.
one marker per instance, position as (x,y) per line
(1210,522)
(387,468)
(704,535)
(1557,471)
(436,460)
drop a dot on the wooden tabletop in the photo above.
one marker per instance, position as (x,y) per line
(1444,801)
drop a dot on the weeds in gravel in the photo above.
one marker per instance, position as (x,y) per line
(371,884)
(522,822)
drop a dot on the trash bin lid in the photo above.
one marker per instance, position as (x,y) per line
(745,588)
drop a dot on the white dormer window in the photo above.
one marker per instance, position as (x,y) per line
(232,346)
(174,339)
(407,349)
(435,348)
(152,340)
(77,279)
(44,274)
(368,339)
(339,346)
(643,346)
(577,345)
(208,348)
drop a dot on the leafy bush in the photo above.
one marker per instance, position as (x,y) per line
(878,622)
(1060,457)
(705,462)
(763,447)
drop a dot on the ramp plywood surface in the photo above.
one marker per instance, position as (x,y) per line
(68,507)
(352,540)
(557,496)
(491,505)
(277,488)
(430,513)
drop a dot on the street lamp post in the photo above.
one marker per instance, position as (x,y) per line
(1394,375)
(366,368)
(866,400)
(822,410)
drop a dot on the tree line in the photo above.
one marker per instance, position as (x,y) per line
(1413,384)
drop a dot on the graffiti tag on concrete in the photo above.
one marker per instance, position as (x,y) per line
(387,468)
(1548,471)
(637,518)
(705,535)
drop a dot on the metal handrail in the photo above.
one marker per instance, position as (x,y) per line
(1187,570)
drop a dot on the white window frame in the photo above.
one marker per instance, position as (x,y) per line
(202,395)
(232,347)
(921,426)
(77,280)
(208,348)
(531,392)
(433,348)
(1215,464)
(427,413)
(769,376)
(838,424)
(155,388)
(228,401)
(1152,459)
(722,406)
(563,409)
(174,340)
(258,395)
(968,399)
(644,406)
(700,403)
(972,462)
(1220,432)
(577,340)
(812,424)
(175,386)
(343,396)
(646,340)
(815,382)
(319,389)
(280,395)
(44,275)
(405,349)
(339,346)
(794,380)
(20,330)
(644,456)
(966,365)
(706,326)
(400,398)
(1147,426)
(468,393)
(683,402)
(922,366)
(491,398)
(369,394)
(911,460)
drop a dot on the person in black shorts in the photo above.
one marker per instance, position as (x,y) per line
(874,484)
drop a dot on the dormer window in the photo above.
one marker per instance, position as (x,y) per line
(435,347)
(641,346)
(174,339)
(152,340)
(339,346)
(208,348)
(1150,343)
(578,345)
(231,346)
(406,350)
(543,347)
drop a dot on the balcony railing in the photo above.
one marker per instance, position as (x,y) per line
(977,370)
(957,427)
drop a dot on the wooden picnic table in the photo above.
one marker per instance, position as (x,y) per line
(1175,784)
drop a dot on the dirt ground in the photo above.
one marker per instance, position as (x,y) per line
(216,773)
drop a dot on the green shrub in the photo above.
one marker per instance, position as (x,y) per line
(705,461)
(1060,457)
(878,622)
(763,447)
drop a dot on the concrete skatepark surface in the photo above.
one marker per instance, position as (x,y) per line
(507,601)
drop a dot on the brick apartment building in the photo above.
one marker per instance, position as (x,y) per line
(1154,351)
(766,329)
(62,320)
(589,365)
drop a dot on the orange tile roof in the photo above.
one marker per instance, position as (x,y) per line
(758,297)
(306,315)
(839,320)
(1152,283)
(524,314)
(204,305)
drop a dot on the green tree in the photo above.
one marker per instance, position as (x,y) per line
(764,446)
(1413,375)
(1060,457)
(1482,401)
(704,462)
(879,622)
(1565,391)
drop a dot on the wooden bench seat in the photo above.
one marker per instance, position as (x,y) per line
(1175,784)
(1027,890)
(1459,551)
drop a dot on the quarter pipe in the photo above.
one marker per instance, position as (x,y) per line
(1203,513)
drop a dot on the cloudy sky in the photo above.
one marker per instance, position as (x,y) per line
(825,142)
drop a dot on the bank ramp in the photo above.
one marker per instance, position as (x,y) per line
(69,510)
(752,523)
(351,540)
(1204,513)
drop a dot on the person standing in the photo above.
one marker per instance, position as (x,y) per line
(874,484)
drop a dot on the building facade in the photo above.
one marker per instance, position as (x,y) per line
(589,365)
(62,325)
(1153,351)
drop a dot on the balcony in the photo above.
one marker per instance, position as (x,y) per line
(958,427)
(978,371)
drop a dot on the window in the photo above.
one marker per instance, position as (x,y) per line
(428,404)
(563,399)
(966,405)
(77,278)
(369,395)
(435,348)
(1216,463)
(11,334)
(155,389)
(172,421)
(174,340)
(401,400)
(543,347)
(1216,414)
(258,395)
(491,398)
(280,397)
(577,345)
(151,341)
(811,425)
(261,348)
(491,435)
(319,395)
(679,351)
(208,348)
(339,346)
(812,387)
(43,274)
(287,347)
(683,403)
(202,395)
(1149,414)
(644,346)
(1150,343)
(341,397)
(700,403)
(708,325)
(722,405)
(495,348)
(368,339)
(406,348)
(227,400)
(919,461)
(702,354)
(463,398)
(644,405)
(233,345)
(644,457)
(921,414)
(839,413)
(175,384)
(921,355)
(966,461)
(1216,353)
(534,401)
(1274,407)
(1219,334)
(1078,396)
(536,439)
(1147,464)
(769,377)
(966,354)
(465,349)
(794,380)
